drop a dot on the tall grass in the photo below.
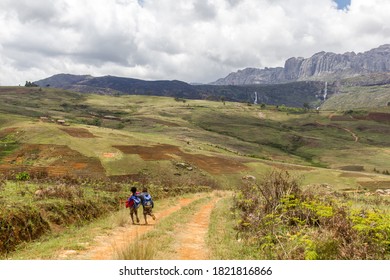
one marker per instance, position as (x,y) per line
(222,237)
(137,250)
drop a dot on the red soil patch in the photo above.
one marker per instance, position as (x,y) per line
(352,168)
(78,132)
(379,117)
(61,161)
(79,165)
(211,164)
(373,116)
(21,90)
(342,118)
(373,185)
(108,155)
(355,175)
(215,165)
(158,152)
(6,131)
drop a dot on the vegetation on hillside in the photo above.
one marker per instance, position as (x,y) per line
(289,94)
(68,158)
(280,220)
(358,97)
(32,208)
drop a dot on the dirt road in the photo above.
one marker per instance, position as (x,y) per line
(189,243)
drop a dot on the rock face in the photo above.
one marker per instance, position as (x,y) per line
(253,76)
(321,66)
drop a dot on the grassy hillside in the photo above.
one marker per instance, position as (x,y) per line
(358,97)
(171,145)
(290,94)
(131,135)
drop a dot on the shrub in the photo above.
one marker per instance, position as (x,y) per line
(20,223)
(22,176)
(284,222)
(56,203)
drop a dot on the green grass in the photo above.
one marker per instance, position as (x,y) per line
(223,239)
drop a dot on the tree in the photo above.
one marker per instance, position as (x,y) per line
(30,84)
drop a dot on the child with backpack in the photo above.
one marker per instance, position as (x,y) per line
(133,202)
(147,204)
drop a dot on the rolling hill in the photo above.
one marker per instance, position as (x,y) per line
(116,136)
(291,94)
(68,158)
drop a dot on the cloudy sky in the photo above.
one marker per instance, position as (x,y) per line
(189,40)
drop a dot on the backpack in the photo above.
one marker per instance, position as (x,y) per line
(133,202)
(147,202)
(137,201)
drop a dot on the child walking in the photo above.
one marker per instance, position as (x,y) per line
(133,202)
(147,204)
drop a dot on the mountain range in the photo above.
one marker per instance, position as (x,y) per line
(290,94)
(301,80)
(323,66)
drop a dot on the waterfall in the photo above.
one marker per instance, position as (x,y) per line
(255,102)
(325,91)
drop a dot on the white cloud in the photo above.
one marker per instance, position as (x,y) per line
(190,40)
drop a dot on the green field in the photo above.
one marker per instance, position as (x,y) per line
(167,131)
(183,144)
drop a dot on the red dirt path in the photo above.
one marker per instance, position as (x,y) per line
(118,239)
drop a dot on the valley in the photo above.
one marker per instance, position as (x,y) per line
(176,145)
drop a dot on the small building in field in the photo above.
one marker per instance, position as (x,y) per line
(61,122)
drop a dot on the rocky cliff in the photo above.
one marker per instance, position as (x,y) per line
(323,66)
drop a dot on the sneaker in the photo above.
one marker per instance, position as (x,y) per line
(154,217)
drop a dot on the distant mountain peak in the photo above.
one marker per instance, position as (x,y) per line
(325,66)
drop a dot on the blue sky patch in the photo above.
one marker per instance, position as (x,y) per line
(342,4)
